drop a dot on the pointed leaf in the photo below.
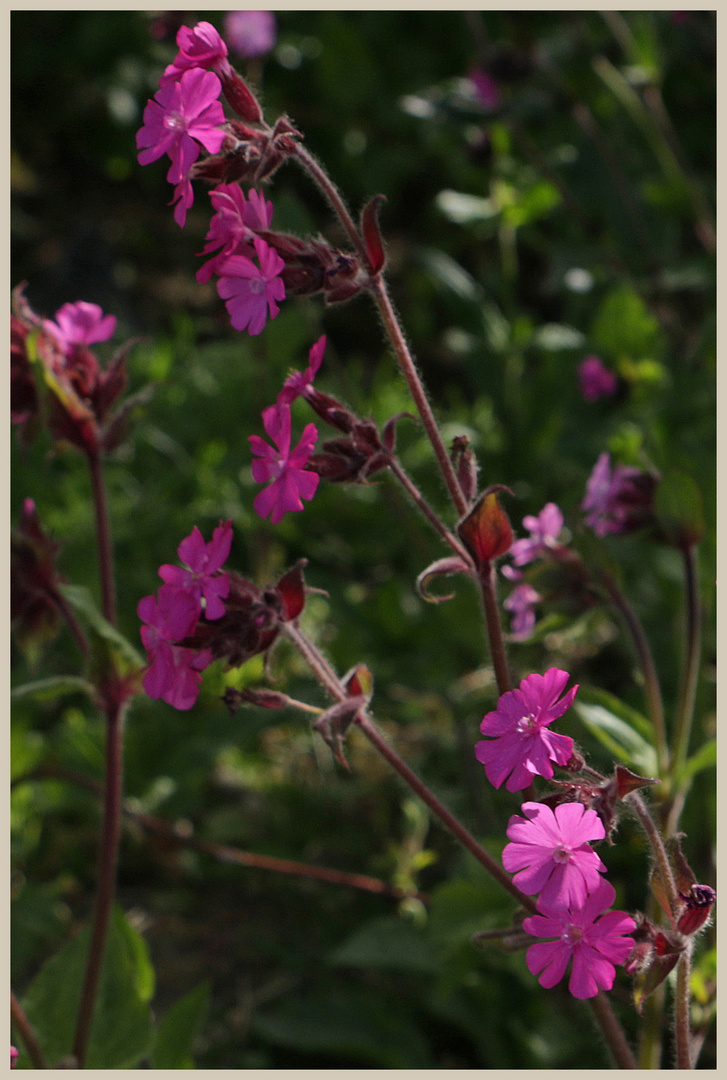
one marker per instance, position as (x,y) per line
(80,598)
(53,687)
(177,1031)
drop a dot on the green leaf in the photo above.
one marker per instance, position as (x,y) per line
(555,336)
(448,273)
(121,1034)
(178,1029)
(593,695)
(624,327)
(80,598)
(618,737)
(705,758)
(387,944)
(53,687)
(678,507)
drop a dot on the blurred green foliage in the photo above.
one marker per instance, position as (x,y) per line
(571,218)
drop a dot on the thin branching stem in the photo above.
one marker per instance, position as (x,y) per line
(26,1033)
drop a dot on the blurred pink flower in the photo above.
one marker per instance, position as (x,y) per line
(544,532)
(13,1057)
(552,854)
(182,200)
(594,944)
(596,380)
(617,499)
(80,323)
(250,33)
(486,89)
(521,602)
(202,579)
(180,117)
(251,292)
(297,381)
(519,746)
(291,482)
(199,47)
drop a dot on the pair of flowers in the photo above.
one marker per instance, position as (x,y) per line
(550,851)
(200,587)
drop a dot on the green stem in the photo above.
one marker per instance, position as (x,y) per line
(652,689)
(690,674)
(108,861)
(494,628)
(103,537)
(26,1033)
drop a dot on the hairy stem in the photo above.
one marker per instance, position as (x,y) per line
(413,491)
(331,192)
(108,860)
(25,1030)
(103,537)
(403,355)
(657,846)
(612,1031)
(682,1030)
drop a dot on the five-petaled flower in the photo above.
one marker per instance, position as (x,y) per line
(199,46)
(519,744)
(80,323)
(291,481)
(594,944)
(232,229)
(550,852)
(182,115)
(250,292)
(202,578)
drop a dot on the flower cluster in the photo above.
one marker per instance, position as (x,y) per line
(550,850)
(196,590)
(544,529)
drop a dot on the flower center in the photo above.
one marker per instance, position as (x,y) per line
(257,286)
(527,725)
(173,121)
(573,935)
(561,854)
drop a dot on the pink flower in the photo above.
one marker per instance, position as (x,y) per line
(594,944)
(202,579)
(199,47)
(250,33)
(544,532)
(552,854)
(180,117)
(182,201)
(174,672)
(617,499)
(80,324)
(13,1057)
(519,746)
(596,380)
(251,292)
(233,225)
(298,381)
(521,602)
(291,482)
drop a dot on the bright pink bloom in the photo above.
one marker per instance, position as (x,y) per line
(180,117)
(251,292)
(297,381)
(520,746)
(182,201)
(616,499)
(291,482)
(595,944)
(174,672)
(250,33)
(544,532)
(13,1057)
(202,579)
(521,602)
(233,226)
(199,47)
(552,854)
(596,380)
(80,324)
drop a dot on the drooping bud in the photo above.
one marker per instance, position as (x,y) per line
(291,589)
(372,234)
(486,531)
(240,97)
(262,699)
(698,907)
